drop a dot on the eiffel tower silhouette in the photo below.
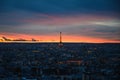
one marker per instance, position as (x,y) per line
(60,43)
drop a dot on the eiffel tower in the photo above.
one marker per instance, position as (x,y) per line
(60,43)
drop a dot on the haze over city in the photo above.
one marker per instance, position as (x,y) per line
(95,21)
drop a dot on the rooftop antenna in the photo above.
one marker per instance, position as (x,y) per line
(60,43)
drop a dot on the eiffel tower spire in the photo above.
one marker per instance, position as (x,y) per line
(60,37)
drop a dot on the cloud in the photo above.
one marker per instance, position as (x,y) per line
(96,18)
(19,12)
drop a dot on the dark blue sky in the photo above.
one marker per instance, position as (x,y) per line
(99,17)
(61,6)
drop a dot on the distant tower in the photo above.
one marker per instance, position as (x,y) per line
(60,44)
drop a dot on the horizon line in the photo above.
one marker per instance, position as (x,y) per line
(56,42)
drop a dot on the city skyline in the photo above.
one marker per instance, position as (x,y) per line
(95,21)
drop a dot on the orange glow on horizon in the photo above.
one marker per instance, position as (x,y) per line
(55,38)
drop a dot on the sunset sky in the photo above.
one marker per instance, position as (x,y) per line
(78,20)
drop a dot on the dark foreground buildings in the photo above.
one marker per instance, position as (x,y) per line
(48,61)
